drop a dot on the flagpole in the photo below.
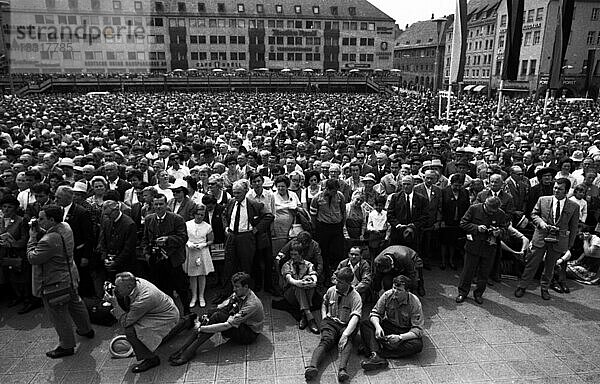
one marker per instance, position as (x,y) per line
(449,100)
(546,100)
(500,97)
(439,104)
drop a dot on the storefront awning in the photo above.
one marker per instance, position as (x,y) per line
(479,88)
(468,87)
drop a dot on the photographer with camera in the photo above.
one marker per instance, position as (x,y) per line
(485,224)
(239,318)
(146,314)
(56,279)
(556,221)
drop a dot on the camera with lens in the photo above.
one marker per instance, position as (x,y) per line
(109,288)
(491,239)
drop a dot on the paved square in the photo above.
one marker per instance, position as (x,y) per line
(505,340)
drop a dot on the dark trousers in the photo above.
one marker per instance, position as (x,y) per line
(533,263)
(169,278)
(262,270)
(406,348)
(141,351)
(299,297)
(241,335)
(331,331)
(61,316)
(331,241)
(239,255)
(480,264)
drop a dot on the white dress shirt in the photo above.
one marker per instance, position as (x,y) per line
(244,225)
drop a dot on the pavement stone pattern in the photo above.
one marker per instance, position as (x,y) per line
(505,340)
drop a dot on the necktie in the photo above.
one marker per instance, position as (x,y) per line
(236,223)
(557,214)
(408,209)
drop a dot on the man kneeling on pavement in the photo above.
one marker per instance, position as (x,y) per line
(394,328)
(239,318)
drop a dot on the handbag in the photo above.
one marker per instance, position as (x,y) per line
(59,293)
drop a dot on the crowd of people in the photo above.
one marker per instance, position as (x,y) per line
(327,201)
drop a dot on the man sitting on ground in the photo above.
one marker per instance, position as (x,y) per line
(341,311)
(239,318)
(394,328)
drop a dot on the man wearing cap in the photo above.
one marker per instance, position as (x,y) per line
(340,312)
(394,328)
(407,215)
(484,223)
(556,220)
(181,204)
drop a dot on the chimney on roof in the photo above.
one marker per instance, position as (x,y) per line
(432,16)
(406,26)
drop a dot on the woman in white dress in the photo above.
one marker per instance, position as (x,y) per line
(198,262)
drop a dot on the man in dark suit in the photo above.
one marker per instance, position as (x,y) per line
(111,170)
(117,240)
(433,194)
(381,168)
(214,217)
(496,188)
(90,269)
(485,223)
(407,215)
(148,175)
(556,221)
(519,190)
(165,236)
(246,223)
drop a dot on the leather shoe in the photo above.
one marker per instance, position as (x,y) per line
(519,292)
(556,287)
(312,326)
(478,299)
(29,306)
(342,375)
(565,288)
(60,352)
(545,294)
(303,323)
(310,373)
(146,365)
(89,335)
(460,298)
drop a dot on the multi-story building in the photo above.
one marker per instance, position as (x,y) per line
(139,36)
(419,53)
(481,22)
(585,36)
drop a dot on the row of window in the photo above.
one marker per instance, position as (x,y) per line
(280,56)
(529,16)
(478,45)
(99,55)
(201,39)
(417,68)
(215,56)
(159,6)
(293,40)
(363,57)
(487,59)
(479,31)
(364,41)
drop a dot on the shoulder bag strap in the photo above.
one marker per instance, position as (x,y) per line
(67,259)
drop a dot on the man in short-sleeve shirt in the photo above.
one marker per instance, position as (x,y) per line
(341,311)
(395,326)
(239,318)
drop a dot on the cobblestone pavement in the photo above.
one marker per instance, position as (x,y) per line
(505,340)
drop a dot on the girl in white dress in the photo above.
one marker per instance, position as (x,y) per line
(198,262)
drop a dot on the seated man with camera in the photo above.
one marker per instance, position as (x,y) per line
(146,313)
(556,221)
(239,318)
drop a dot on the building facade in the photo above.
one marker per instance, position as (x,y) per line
(419,54)
(75,36)
(481,21)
